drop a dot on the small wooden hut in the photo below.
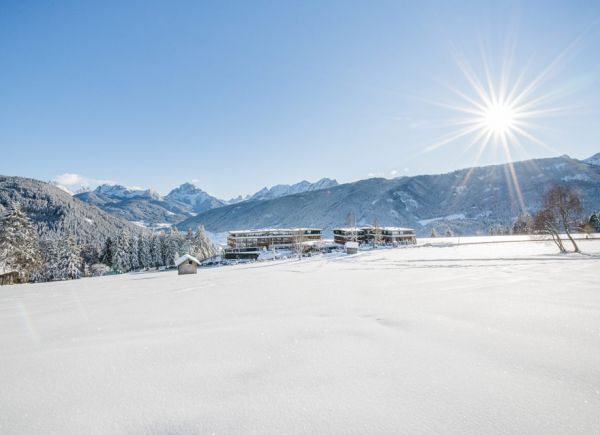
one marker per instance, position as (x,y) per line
(186,264)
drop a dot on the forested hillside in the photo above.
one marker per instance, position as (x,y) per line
(45,234)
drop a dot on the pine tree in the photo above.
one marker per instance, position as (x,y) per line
(203,246)
(156,251)
(189,245)
(62,258)
(121,261)
(134,256)
(173,242)
(70,259)
(19,245)
(595,222)
(106,256)
(144,252)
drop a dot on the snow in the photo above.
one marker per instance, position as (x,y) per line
(500,337)
(158,225)
(185,258)
(424,222)
(576,177)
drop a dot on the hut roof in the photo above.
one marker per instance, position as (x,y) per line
(185,258)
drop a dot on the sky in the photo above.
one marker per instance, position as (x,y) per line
(235,96)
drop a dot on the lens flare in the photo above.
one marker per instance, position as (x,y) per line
(500,113)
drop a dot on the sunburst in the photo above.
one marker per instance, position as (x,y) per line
(500,113)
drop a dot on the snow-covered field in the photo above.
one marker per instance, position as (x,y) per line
(481,339)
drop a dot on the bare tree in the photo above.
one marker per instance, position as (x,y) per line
(299,242)
(377,236)
(545,222)
(561,209)
(564,202)
(351,223)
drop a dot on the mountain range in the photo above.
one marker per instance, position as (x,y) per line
(148,208)
(467,201)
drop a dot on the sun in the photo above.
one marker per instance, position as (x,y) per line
(499,119)
(499,111)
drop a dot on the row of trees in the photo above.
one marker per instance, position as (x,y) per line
(57,256)
(560,214)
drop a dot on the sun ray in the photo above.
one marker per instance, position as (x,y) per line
(452,137)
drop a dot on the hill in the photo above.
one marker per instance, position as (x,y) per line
(53,210)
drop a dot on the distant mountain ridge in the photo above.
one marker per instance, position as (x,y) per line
(148,208)
(280,190)
(466,201)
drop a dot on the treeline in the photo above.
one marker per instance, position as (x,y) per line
(26,256)
(561,213)
(525,224)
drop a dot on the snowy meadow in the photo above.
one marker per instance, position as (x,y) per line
(474,338)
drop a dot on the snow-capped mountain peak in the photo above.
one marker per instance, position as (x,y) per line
(117,191)
(280,190)
(192,195)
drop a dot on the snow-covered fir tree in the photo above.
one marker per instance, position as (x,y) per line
(106,255)
(144,251)
(595,222)
(202,247)
(19,245)
(121,259)
(134,254)
(62,258)
(156,251)
(173,241)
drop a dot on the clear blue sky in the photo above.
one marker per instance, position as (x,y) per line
(241,95)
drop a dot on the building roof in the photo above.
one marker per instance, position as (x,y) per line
(369,227)
(185,258)
(272,230)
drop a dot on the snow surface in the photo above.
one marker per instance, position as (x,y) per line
(477,338)
(424,222)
